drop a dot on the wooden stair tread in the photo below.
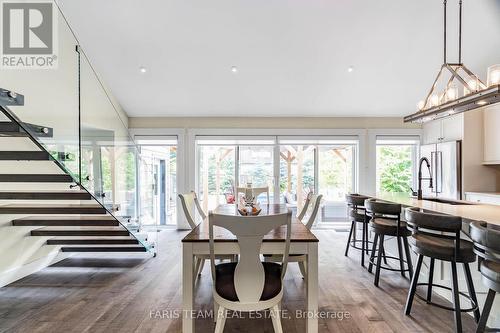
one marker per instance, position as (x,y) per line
(103,249)
(13,134)
(36,178)
(66,221)
(105,231)
(51,209)
(45,195)
(21,155)
(93,241)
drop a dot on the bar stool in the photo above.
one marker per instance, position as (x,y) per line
(487,247)
(356,203)
(437,236)
(386,221)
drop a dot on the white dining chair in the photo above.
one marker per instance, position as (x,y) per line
(256,191)
(250,284)
(191,204)
(307,216)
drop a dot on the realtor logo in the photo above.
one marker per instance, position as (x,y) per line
(29,35)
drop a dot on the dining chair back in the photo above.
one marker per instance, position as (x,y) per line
(310,209)
(256,191)
(249,231)
(190,203)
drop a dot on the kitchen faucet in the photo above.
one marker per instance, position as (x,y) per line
(419,190)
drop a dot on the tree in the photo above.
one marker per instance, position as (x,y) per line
(394,168)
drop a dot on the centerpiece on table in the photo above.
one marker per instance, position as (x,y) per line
(248,205)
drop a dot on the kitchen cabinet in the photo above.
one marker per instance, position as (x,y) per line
(491,135)
(484,198)
(446,129)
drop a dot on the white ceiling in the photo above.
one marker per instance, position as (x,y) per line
(292,55)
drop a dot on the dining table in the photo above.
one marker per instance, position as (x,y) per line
(302,241)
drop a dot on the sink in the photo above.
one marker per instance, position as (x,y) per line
(449,202)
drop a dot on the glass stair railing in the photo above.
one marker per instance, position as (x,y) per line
(69,115)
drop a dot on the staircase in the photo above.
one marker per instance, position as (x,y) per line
(40,196)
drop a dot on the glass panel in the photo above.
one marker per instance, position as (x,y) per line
(216,175)
(50,110)
(336,179)
(296,174)
(256,167)
(158,179)
(395,168)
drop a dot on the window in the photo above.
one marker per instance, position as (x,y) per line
(158,180)
(290,166)
(396,161)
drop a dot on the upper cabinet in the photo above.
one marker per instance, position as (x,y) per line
(446,129)
(492,135)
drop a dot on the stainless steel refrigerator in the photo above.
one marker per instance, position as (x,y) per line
(446,166)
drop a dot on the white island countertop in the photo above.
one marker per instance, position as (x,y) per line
(470,211)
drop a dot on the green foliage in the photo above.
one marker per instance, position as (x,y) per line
(394,169)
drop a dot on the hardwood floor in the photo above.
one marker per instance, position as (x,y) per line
(132,293)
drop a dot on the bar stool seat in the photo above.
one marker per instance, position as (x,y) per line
(385,221)
(442,249)
(487,247)
(437,236)
(490,270)
(357,214)
(389,227)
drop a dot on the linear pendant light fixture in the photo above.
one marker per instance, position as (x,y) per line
(473,94)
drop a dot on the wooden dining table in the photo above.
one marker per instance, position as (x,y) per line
(303,241)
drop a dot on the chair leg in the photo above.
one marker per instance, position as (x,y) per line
(197,266)
(367,238)
(372,255)
(481,326)
(363,239)
(302,268)
(216,311)
(221,319)
(400,255)
(202,264)
(354,227)
(413,286)
(349,239)
(379,260)
(472,291)
(384,257)
(275,316)
(456,298)
(408,257)
(431,278)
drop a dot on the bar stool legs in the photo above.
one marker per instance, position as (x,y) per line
(413,286)
(431,278)
(472,291)
(454,289)
(481,326)
(352,241)
(456,297)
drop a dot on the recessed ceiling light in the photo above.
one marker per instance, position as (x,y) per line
(143,69)
(350,69)
(234,69)
(481,102)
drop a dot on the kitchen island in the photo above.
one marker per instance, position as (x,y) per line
(469,211)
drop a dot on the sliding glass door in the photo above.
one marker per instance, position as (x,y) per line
(216,174)
(158,181)
(297,173)
(336,178)
(290,166)
(256,166)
